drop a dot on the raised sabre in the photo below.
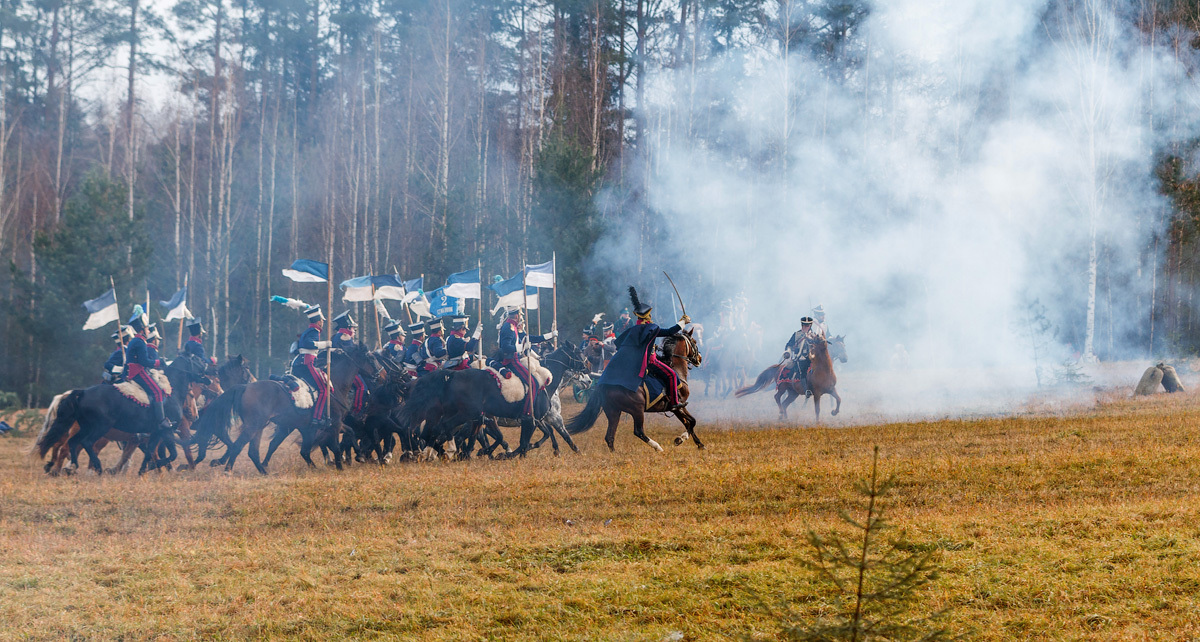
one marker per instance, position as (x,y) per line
(681,305)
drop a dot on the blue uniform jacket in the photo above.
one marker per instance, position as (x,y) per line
(141,353)
(195,348)
(117,358)
(510,339)
(394,350)
(628,365)
(457,346)
(435,347)
(343,341)
(412,353)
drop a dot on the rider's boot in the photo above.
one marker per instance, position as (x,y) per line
(160,417)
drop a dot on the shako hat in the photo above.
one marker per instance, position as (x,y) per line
(195,327)
(394,328)
(314,314)
(818,310)
(139,320)
(433,325)
(459,323)
(806,320)
(417,328)
(344,320)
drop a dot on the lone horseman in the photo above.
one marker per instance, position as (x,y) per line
(343,339)
(635,357)
(195,343)
(458,347)
(141,356)
(514,345)
(114,368)
(819,326)
(797,354)
(304,365)
(412,352)
(394,348)
(433,351)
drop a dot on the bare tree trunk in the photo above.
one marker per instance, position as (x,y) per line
(130,150)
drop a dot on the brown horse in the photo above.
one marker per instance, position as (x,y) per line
(681,353)
(821,379)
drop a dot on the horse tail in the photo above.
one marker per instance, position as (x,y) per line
(767,376)
(59,419)
(218,414)
(587,417)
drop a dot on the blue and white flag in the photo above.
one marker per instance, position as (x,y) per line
(177,306)
(540,276)
(413,289)
(442,304)
(306,271)
(102,310)
(419,305)
(389,286)
(356,289)
(510,294)
(464,285)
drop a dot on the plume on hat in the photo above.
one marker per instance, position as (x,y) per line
(634,298)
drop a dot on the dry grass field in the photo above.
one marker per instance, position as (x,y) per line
(1083,526)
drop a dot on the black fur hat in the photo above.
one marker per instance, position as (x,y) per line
(640,309)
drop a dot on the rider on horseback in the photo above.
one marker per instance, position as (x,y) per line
(304,365)
(194,346)
(343,339)
(412,353)
(141,356)
(819,326)
(458,348)
(796,354)
(114,368)
(433,351)
(394,348)
(635,357)
(514,345)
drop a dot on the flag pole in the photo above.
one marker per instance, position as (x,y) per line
(520,357)
(329,337)
(554,294)
(479,346)
(378,331)
(120,337)
(179,343)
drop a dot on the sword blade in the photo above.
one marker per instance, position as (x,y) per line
(672,282)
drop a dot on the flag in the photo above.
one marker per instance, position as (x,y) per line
(381,309)
(540,276)
(419,305)
(413,289)
(388,286)
(102,310)
(177,306)
(356,289)
(510,294)
(306,271)
(442,304)
(464,285)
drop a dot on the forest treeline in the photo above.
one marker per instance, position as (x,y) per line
(407,136)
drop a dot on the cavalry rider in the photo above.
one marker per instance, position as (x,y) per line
(514,345)
(433,351)
(194,345)
(141,356)
(343,339)
(635,357)
(114,368)
(412,354)
(459,349)
(819,326)
(797,353)
(394,348)
(305,367)
(624,322)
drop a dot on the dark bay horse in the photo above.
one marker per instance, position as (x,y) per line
(821,378)
(681,352)
(260,403)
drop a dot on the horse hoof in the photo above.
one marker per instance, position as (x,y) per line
(214,463)
(113,471)
(833,414)
(47,467)
(679,441)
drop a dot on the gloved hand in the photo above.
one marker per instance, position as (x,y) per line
(323,344)
(118,370)
(684,320)
(552,334)
(478,332)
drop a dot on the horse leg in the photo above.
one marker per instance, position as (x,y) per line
(126,455)
(249,432)
(817,405)
(614,419)
(838,399)
(639,418)
(276,439)
(789,399)
(185,435)
(253,452)
(782,408)
(689,423)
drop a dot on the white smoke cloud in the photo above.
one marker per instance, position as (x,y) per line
(933,190)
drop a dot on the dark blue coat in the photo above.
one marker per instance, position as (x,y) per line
(511,339)
(195,348)
(434,348)
(394,350)
(412,353)
(117,358)
(308,339)
(628,365)
(141,353)
(457,346)
(343,341)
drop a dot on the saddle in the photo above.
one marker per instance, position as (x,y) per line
(512,387)
(303,394)
(655,390)
(133,391)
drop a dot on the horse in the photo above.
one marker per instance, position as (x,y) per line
(259,403)
(452,398)
(821,378)
(681,353)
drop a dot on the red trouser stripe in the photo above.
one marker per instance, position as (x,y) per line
(671,376)
(360,390)
(150,385)
(318,378)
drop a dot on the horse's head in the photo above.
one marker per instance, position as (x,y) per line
(568,356)
(367,365)
(684,346)
(837,348)
(235,372)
